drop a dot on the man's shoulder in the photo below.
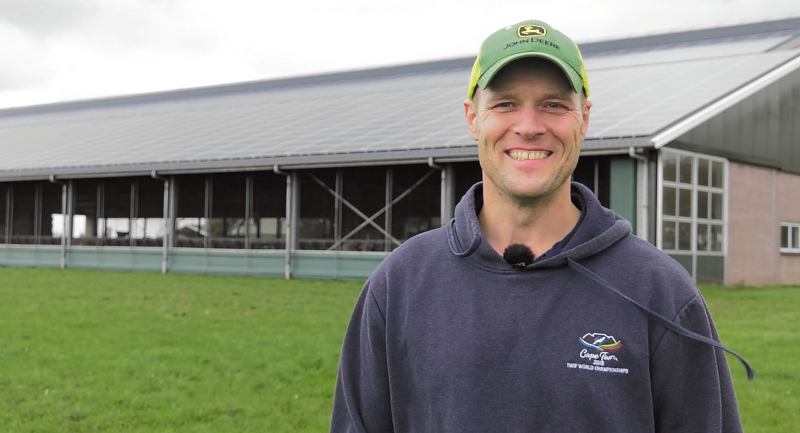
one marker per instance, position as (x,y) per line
(647,271)
(642,253)
(413,260)
(420,247)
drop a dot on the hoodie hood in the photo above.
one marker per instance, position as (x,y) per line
(596,232)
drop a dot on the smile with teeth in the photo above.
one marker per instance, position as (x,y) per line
(521,155)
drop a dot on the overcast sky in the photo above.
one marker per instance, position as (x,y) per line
(63,50)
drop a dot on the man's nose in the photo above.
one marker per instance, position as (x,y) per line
(529,123)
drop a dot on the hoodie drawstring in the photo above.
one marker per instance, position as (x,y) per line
(661,319)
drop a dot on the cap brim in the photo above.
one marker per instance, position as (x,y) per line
(573,76)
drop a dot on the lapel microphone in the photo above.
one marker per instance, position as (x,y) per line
(518,256)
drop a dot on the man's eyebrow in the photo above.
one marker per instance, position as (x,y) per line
(558,95)
(501,94)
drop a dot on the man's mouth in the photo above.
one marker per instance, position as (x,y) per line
(521,155)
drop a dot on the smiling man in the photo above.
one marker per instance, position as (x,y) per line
(535,309)
(529,124)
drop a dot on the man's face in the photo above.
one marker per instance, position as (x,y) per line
(529,125)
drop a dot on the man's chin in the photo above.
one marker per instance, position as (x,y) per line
(535,192)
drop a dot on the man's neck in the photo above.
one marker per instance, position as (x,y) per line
(539,224)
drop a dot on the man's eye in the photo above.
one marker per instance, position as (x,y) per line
(554,105)
(503,105)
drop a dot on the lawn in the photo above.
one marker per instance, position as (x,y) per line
(87,351)
(90,351)
(761,324)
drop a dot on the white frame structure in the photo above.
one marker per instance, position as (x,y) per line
(693,219)
(792,239)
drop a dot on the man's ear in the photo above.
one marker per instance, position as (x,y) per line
(470,113)
(587,107)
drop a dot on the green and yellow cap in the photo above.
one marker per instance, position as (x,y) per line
(528,39)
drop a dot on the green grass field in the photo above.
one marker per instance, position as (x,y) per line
(87,351)
(97,351)
(761,324)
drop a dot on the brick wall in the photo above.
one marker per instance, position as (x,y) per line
(754,225)
(787,266)
(751,244)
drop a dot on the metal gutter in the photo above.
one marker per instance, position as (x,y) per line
(603,146)
(417,156)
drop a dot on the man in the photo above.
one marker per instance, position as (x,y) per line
(535,309)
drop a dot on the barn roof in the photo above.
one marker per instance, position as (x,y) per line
(645,92)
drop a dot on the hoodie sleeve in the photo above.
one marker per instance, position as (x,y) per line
(691,382)
(361,401)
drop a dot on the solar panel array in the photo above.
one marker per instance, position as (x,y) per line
(357,117)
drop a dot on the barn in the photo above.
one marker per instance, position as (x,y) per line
(694,138)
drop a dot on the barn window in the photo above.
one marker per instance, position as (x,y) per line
(790,238)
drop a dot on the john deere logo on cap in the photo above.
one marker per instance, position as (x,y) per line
(531,30)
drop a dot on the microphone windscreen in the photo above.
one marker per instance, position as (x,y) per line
(518,255)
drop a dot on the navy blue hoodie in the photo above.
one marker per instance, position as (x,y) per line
(607,335)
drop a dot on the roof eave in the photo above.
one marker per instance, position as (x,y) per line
(294,162)
(686,124)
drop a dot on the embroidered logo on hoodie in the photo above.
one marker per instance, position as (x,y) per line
(600,342)
(596,354)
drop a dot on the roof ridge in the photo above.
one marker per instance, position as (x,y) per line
(707,34)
